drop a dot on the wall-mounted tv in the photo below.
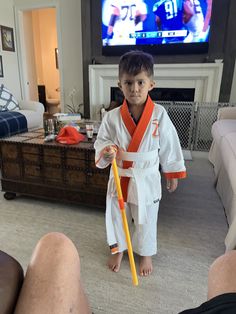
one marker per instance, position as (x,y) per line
(158,27)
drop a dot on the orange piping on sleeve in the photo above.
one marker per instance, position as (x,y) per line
(175,175)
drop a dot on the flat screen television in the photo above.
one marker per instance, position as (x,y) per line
(158,27)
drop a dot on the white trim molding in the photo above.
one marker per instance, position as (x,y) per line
(19,8)
(205,78)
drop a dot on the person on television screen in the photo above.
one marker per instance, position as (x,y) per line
(168,17)
(207,17)
(123,18)
(194,20)
(140,135)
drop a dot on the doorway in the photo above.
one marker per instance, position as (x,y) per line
(39,58)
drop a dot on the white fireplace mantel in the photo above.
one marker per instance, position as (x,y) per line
(205,78)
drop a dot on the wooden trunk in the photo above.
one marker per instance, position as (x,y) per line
(51,170)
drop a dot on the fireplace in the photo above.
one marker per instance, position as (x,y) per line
(172,94)
(158,94)
(203,79)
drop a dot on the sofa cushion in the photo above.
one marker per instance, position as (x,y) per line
(7,100)
(222,127)
(226,184)
(226,113)
(32,117)
(227,173)
(228,150)
(219,130)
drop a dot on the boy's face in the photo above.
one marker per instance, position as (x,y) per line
(136,88)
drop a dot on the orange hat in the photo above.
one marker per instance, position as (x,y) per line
(69,135)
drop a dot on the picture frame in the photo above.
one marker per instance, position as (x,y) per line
(1,67)
(7,37)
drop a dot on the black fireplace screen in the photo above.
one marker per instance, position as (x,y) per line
(159,94)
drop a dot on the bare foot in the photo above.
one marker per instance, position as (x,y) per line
(145,266)
(114,261)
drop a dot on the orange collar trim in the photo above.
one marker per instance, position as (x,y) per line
(136,132)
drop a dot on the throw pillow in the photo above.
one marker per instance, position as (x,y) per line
(7,100)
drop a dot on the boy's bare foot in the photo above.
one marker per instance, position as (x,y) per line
(145,266)
(114,261)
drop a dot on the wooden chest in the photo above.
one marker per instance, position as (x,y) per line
(52,170)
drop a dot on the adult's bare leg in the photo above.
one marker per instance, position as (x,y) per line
(222,275)
(52,283)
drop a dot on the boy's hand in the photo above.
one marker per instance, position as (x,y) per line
(109,153)
(171,185)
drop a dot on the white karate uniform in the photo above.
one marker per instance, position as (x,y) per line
(144,191)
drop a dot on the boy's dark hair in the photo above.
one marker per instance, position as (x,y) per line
(136,61)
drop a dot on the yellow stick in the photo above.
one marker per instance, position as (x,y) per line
(125,223)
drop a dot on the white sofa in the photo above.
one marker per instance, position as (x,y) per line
(13,123)
(33,111)
(223,157)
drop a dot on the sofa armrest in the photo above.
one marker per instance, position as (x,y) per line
(31,105)
(226,113)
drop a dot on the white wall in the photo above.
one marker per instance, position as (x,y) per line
(69,42)
(45,42)
(10,64)
(30,81)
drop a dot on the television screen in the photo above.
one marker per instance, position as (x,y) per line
(163,26)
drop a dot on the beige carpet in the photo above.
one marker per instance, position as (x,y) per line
(191,232)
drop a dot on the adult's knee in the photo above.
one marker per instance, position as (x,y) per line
(55,239)
(222,275)
(56,245)
(224,263)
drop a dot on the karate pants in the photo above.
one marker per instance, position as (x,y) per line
(143,237)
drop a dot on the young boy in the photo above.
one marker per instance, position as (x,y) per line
(140,135)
